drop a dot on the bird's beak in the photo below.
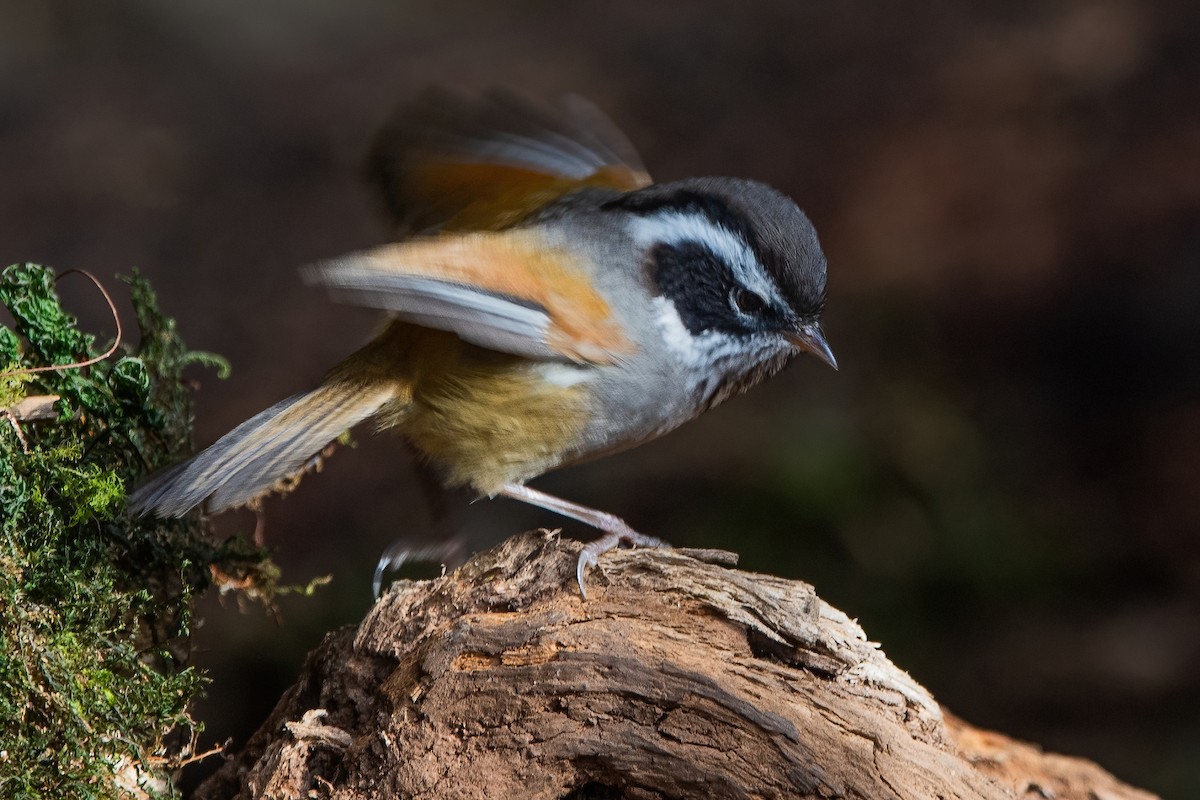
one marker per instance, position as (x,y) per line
(811,339)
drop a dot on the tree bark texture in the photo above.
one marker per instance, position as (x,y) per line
(677,678)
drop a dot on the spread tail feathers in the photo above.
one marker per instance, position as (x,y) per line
(271,446)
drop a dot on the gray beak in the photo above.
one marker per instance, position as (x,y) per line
(811,339)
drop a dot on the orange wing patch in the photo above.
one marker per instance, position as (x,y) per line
(483,196)
(520,265)
(455,162)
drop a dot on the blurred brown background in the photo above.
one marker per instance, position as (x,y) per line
(1002,483)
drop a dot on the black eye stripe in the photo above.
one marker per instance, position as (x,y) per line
(719,213)
(774,230)
(701,285)
(696,280)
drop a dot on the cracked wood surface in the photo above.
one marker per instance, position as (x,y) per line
(678,678)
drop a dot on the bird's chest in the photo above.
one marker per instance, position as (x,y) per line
(496,419)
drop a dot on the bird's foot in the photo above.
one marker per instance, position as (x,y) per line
(617,532)
(589,556)
(450,553)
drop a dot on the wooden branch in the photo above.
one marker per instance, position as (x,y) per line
(678,678)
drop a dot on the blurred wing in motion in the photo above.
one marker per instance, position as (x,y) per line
(507,291)
(273,446)
(450,163)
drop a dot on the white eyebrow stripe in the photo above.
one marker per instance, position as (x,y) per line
(679,227)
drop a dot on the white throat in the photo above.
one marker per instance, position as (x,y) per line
(715,364)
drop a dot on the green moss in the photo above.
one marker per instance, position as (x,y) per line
(94,606)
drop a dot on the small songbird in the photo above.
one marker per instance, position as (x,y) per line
(548,304)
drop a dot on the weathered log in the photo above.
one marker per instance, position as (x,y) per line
(677,678)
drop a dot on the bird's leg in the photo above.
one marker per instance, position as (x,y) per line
(447,546)
(617,532)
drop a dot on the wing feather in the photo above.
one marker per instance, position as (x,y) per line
(446,162)
(507,291)
(488,320)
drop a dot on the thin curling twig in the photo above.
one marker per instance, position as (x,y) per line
(79,364)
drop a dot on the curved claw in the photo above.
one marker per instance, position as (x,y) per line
(450,552)
(589,556)
(587,560)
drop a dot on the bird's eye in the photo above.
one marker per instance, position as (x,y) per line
(747,301)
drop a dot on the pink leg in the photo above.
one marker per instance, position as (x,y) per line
(616,531)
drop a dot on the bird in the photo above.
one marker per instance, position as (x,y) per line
(546,303)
